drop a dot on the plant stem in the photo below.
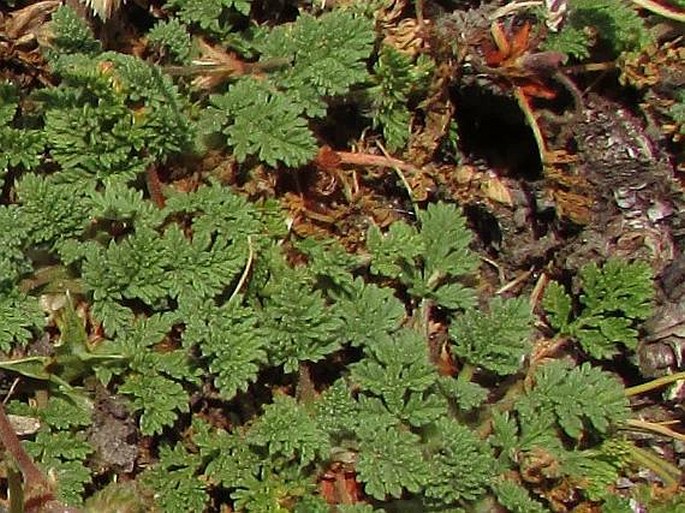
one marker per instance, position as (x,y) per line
(32,475)
(655,383)
(667,472)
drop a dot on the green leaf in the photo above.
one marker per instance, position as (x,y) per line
(393,254)
(454,296)
(398,370)
(218,212)
(618,286)
(59,445)
(614,299)
(570,40)
(579,397)
(264,123)
(298,324)
(430,260)
(393,77)
(72,477)
(171,37)
(504,434)
(335,410)
(270,493)
(468,395)
(390,462)
(617,23)
(287,431)
(112,115)
(327,53)
(235,349)
(329,264)
(20,149)
(497,340)
(174,479)
(115,201)
(15,230)
(600,467)
(160,399)
(211,15)
(461,464)
(446,242)
(229,456)
(20,315)
(62,454)
(56,211)
(515,497)
(558,306)
(370,313)
(71,34)
(61,413)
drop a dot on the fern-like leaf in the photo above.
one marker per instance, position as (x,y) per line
(497,340)
(614,299)
(287,431)
(259,121)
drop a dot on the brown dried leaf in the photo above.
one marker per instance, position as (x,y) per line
(30,19)
(495,189)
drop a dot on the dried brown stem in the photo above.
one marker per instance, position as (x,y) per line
(363,159)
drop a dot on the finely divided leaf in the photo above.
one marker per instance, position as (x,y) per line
(391,461)
(287,431)
(393,253)
(370,313)
(398,371)
(327,55)
(235,349)
(19,316)
(462,464)
(260,121)
(580,398)
(614,299)
(160,399)
(298,323)
(446,241)
(497,340)
(557,304)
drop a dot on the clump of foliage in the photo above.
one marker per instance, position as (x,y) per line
(260,366)
(323,58)
(389,415)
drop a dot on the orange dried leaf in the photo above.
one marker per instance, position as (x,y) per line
(327,159)
(519,43)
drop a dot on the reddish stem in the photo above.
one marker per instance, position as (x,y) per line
(32,475)
(363,159)
(154,186)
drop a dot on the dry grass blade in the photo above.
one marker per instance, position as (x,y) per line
(104,8)
(662,8)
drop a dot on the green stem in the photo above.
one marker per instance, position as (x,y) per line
(655,383)
(668,473)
